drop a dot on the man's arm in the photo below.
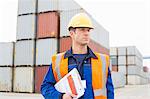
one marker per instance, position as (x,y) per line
(109,86)
(47,88)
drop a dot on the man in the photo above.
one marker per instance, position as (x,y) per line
(93,67)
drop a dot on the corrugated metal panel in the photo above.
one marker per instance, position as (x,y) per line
(113,51)
(122,69)
(6,53)
(65,17)
(99,34)
(23,79)
(134,60)
(133,79)
(132,50)
(122,60)
(119,79)
(26,6)
(134,70)
(48,25)
(122,50)
(114,60)
(96,47)
(40,73)
(24,52)
(45,49)
(5,78)
(26,27)
(47,5)
(68,5)
(65,44)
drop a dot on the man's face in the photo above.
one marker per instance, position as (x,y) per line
(80,35)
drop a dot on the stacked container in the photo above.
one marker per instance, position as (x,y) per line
(24,61)
(41,33)
(129,62)
(6,66)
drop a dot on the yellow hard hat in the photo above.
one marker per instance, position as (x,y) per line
(80,20)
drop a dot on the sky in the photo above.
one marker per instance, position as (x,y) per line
(128,21)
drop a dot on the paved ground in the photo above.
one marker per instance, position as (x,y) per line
(128,92)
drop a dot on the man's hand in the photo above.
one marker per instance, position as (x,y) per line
(69,96)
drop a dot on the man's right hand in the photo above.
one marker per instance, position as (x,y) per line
(68,96)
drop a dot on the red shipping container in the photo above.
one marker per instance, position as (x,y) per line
(40,72)
(48,25)
(65,44)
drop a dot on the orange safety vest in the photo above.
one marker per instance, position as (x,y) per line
(99,72)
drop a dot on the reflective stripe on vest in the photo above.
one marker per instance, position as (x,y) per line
(99,72)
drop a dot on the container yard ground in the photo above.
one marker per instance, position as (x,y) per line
(127,92)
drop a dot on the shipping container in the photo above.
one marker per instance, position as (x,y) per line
(66,5)
(113,51)
(114,68)
(5,78)
(134,70)
(6,53)
(118,79)
(122,60)
(40,73)
(134,60)
(45,49)
(96,47)
(24,52)
(65,17)
(26,27)
(133,79)
(23,79)
(122,51)
(48,25)
(114,60)
(122,69)
(64,44)
(26,6)
(99,34)
(132,50)
(47,5)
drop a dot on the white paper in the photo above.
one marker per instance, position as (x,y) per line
(64,87)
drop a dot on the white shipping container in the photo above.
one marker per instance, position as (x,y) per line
(132,50)
(66,5)
(99,34)
(122,50)
(65,17)
(5,78)
(119,79)
(114,60)
(122,69)
(26,6)
(24,53)
(113,51)
(23,79)
(48,5)
(6,53)
(133,79)
(134,70)
(134,60)
(26,27)
(122,60)
(45,49)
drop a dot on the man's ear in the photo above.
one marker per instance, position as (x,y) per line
(71,33)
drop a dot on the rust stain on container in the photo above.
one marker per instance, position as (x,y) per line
(114,68)
(48,24)
(40,73)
